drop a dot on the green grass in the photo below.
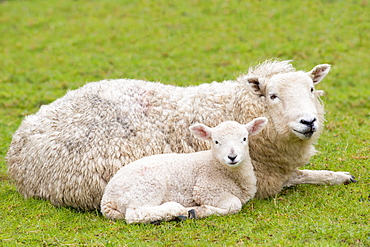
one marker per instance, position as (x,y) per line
(49,47)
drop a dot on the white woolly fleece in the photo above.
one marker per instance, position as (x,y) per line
(69,150)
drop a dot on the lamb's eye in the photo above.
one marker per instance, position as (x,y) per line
(216,142)
(245,139)
(312,89)
(273,96)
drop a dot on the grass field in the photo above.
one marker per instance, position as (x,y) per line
(49,47)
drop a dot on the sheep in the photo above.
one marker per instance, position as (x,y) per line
(68,151)
(164,186)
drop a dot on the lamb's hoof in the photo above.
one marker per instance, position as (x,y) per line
(181,218)
(156,222)
(192,214)
(351,180)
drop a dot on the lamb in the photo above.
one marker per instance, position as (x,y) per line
(162,187)
(68,151)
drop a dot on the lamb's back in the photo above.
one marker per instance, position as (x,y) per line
(168,177)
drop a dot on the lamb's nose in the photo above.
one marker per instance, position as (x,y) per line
(232,157)
(309,123)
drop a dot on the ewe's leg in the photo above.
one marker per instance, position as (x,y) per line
(319,177)
(206,210)
(165,212)
(228,204)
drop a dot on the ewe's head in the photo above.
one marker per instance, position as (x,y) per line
(229,140)
(292,103)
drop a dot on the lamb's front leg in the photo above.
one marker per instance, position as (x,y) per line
(228,204)
(320,177)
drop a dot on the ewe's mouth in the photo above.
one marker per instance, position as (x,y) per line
(307,134)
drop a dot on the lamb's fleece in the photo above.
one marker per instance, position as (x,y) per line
(161,187)
(69,150)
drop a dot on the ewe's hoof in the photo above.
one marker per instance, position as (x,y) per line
(351,180)
(192,214)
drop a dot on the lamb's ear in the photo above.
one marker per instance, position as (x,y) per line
(256,125)
(201,131)
(319,72)
(255,83)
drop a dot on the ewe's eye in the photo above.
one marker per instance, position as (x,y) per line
(245,139)
(273,96)
(312,89)
(216,142)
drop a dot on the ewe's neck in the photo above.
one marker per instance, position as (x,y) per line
(278,155)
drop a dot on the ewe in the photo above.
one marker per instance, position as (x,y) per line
(161,187)
(68,151)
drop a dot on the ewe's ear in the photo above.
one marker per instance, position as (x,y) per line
(319,72)
(255,83)
(201,131)
(256,125)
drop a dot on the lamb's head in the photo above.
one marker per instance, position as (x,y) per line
(229,140)
(292,102)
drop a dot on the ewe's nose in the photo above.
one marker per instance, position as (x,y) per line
(232,157)
(309,123)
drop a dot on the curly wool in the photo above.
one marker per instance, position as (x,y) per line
(69,150)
